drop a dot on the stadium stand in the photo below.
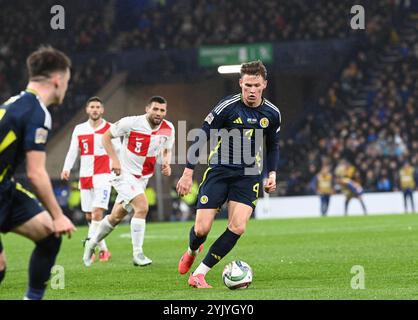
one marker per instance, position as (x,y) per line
(99,32)
(367,116)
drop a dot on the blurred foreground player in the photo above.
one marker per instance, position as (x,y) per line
(24,126)
(94,183)
(227,179)
(145,138)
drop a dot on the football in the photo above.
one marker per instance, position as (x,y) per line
(237,275)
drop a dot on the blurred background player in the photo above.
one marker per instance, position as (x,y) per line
(145,138)
(349,181)
(324,187)
(407,182)
(246,112)
(94,183)
(24,125)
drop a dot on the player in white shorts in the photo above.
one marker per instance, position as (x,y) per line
(146,139)
(95,167)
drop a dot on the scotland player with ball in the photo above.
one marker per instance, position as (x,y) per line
(226,179)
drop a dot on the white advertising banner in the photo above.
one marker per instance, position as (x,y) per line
(309,206)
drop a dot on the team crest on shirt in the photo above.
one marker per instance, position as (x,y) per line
(204,199)
(41,135)
(209,118)
(264,123)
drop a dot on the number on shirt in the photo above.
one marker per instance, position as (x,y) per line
(138,145)
(86,144)
(85,147)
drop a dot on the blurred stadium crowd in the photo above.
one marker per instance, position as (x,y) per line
(367,115)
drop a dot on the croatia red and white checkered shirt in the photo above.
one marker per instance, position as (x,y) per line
(141,144)
(94,161)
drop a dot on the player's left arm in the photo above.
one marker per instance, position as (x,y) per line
(71,157)
(165,167)
(35,139)
(272,145)
(116,130)
(117,145)
(167,153)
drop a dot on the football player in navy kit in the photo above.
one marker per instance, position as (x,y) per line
(229,176)
(24,126)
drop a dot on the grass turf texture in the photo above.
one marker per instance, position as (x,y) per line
(291,259)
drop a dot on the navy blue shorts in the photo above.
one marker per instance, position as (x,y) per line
(222,184)
(17,205)
(408,192)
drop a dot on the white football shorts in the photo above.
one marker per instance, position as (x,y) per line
(95,198)
(128,187)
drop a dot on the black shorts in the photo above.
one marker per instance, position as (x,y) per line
(222,184)
(17,205)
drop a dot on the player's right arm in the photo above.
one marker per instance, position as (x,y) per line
(118,129)
(214,120)
(71,157)
(108,145)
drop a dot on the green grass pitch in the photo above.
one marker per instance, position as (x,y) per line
(291,259)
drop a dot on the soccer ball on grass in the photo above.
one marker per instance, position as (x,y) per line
(237,275)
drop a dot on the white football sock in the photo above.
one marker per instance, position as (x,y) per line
(103,229)
(202,268)
(92,229)
(102,245)
(137,234)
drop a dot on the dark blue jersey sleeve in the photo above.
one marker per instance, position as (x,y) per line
(214,120)
(272,144)
(35,131)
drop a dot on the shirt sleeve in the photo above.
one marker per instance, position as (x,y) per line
(170,141)
(117,145)
(272,144)
(121,127)
(35,132)
(214,120)
(72,153)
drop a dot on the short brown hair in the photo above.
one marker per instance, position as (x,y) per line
(157,99)
(46,60)
(92,99)
(254,68)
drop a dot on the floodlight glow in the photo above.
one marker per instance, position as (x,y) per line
(229,69)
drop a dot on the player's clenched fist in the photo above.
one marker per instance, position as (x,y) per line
(185,183)
(65,175)
(166,170)
(270,185)
(116,166)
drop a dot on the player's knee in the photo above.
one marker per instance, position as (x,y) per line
(237,228)
(141,212)
(96,214)
(115,218)
(48,229)
(49,245)
(88,217)
(201,230)
(2,265)
(2,273)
